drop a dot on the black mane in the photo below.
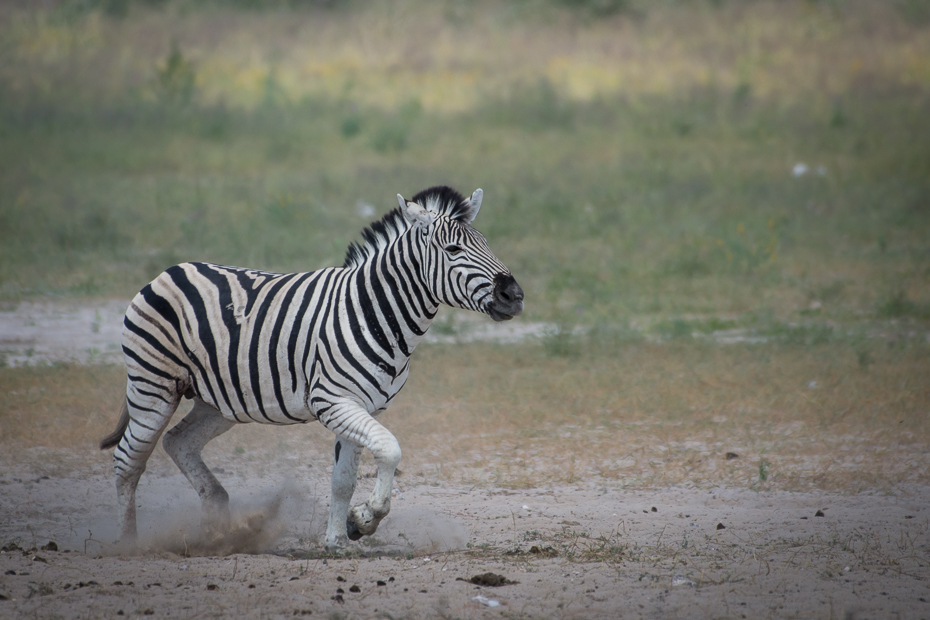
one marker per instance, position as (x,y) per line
(442,199)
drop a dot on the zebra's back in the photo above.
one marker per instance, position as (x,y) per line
(239,339)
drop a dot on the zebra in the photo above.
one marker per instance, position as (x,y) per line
(331,345)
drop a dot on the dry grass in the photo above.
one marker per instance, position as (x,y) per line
(463,55)
(668,414)
(644,414)
(59,406)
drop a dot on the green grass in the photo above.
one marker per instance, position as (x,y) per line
(650,177)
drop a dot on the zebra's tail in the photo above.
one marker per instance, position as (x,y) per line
(113,438)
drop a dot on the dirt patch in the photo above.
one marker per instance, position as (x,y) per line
(582,550)
(49,332)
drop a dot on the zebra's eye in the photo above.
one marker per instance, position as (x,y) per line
(453,249)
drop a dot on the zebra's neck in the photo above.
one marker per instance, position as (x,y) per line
(399,295)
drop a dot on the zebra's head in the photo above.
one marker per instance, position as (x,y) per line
(459,268)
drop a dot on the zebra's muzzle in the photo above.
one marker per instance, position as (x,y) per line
(507,300)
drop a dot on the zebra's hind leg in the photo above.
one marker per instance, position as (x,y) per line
(184,443)
(148,414)
(345,475)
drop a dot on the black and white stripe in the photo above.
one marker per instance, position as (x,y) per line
(331,345)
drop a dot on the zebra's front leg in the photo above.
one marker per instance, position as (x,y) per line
(345,475)
(351,422)
(363,519)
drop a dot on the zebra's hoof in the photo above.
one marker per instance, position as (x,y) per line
(129,538)
(362,521)
(126,547)
(337,546)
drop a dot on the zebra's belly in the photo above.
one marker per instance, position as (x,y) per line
(273,402)
(255,402)
(273,414)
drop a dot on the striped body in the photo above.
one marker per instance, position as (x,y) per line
(248,342)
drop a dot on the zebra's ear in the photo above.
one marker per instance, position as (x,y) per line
(473,206)
(414,213)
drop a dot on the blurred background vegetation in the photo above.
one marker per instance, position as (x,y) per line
(662,176)
(678,166)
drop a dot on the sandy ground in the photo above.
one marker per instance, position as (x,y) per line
(590,550)
(586,551)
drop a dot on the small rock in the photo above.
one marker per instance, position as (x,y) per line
(679,580)
(487,602)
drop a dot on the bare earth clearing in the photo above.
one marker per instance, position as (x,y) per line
(595,548)
(586,550)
